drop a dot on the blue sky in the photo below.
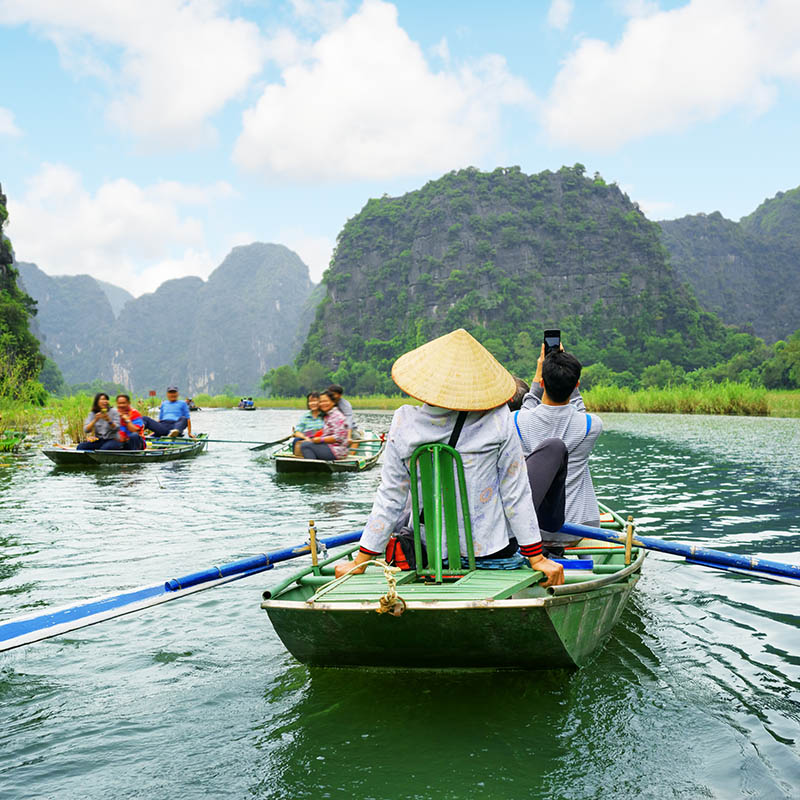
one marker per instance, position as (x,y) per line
(140,142)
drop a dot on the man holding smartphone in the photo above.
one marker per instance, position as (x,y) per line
(554,409)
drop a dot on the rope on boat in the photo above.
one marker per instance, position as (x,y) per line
(391,602)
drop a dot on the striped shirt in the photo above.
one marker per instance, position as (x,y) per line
(498,492)
(578,430)
(308,423)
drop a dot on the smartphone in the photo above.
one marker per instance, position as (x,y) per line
(552,341)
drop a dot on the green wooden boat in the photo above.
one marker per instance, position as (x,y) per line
(363,455)
(158,450)
(498,619)
(469,618)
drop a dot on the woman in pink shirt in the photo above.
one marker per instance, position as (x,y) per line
(330,443)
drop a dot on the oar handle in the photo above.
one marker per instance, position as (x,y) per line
(710,557)
(257,563)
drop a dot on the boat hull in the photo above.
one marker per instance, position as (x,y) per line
(366,458)
(157,452)
(521,633)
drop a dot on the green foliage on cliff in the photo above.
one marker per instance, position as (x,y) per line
(20,359)
(505,255)
(746,271)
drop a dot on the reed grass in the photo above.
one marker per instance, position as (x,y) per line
(719,398)
(784,403)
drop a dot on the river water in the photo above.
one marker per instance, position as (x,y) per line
(696,694)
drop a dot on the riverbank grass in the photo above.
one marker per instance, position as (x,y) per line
(723,398)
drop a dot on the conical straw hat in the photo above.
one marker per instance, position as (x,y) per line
(454,371)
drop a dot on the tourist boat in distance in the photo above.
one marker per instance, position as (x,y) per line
(495,619)
(363,455)
(158,449)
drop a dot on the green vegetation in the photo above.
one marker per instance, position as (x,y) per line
(505,255)
(725,398)
(20,359)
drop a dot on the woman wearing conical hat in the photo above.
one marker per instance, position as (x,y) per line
(451,374)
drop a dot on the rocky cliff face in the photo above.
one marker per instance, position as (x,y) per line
(502,253)
(201,335)
(73,322)
(747,272)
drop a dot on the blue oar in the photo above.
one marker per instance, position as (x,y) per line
(42,625)
(709,558)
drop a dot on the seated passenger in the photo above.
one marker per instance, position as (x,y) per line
(456,372)
(555,408)
(330,442)
(336,391)
(173,416)
(130,435)
(515,403)
(102,423)
(311,422)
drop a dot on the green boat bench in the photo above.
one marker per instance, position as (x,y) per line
(476,585)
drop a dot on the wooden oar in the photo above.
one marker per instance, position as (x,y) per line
(53,622)
(709,558)
(261,445)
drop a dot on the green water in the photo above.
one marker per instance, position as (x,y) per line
(696,695)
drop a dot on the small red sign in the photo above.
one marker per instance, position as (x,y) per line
(152,393)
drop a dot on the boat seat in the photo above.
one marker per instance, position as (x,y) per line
(484,584)
(438,489)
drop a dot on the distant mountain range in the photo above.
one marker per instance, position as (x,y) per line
(501,253)
(748,272)
(251,315)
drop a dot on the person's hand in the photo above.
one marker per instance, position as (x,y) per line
(538,376)
(553,572)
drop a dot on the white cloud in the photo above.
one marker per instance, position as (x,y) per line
(322,13)
(673,69)
(180,61)
(7,125)
(316,251)
(559,14)
(636,8)
(367,105)
(130,235)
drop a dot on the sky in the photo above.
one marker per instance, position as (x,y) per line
(140,142)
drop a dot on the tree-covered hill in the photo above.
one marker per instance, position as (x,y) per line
(747,272)
(504,255)
(203,335)
(20,358)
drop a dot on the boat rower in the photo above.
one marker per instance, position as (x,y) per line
(464,390)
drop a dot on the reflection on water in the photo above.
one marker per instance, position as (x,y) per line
(697,693)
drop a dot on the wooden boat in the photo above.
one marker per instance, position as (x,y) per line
(363,455)
(496,619)
(158,449)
